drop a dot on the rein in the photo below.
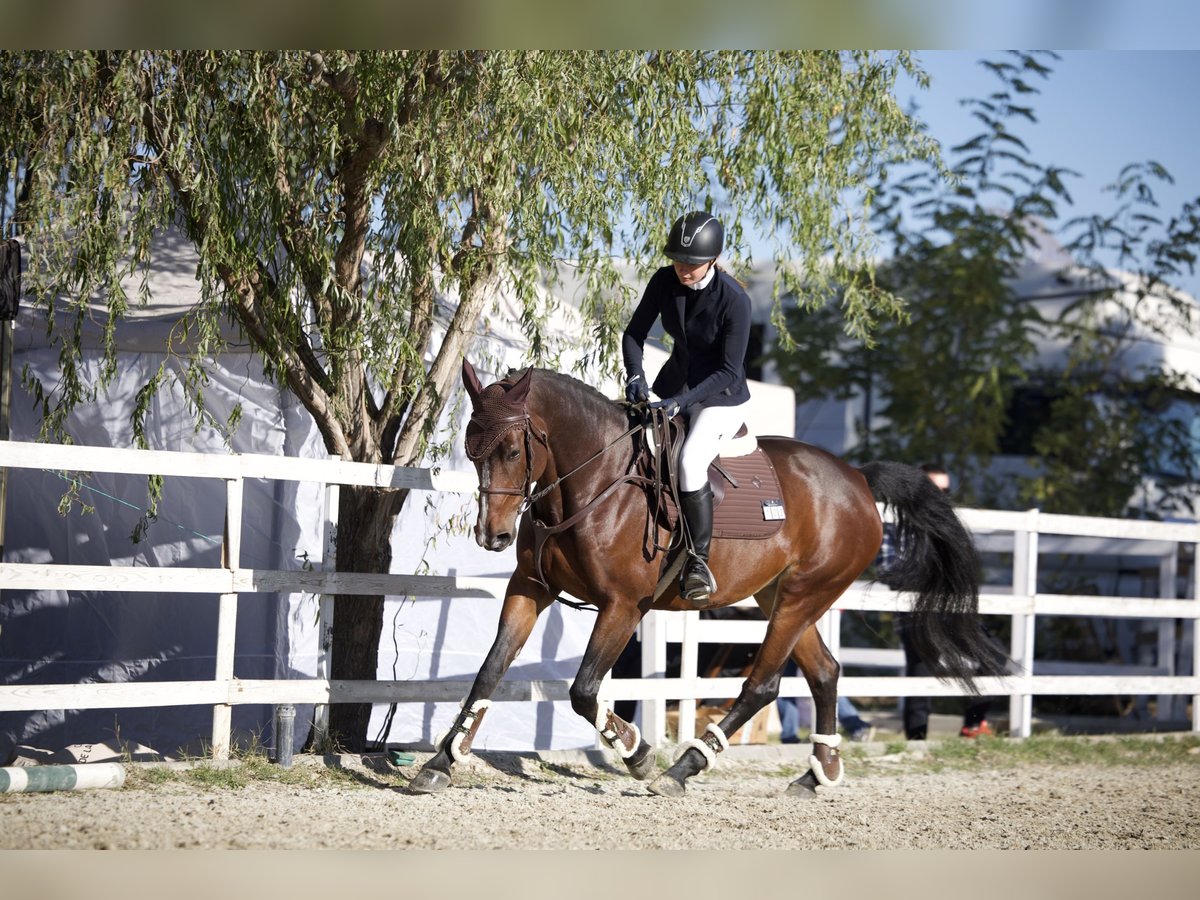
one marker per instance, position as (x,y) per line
(542,532)
(656,421)
(526,490)
(531,499)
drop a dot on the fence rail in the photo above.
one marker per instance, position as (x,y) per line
(654,689)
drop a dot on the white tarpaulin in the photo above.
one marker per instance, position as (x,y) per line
(67,637)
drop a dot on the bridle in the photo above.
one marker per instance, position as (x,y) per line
(526,492)
(522,420)
(541,530)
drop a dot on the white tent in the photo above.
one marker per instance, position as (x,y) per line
(69,637)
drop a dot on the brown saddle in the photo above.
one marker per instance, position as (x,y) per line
(747,501)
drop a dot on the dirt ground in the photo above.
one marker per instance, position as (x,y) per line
(576,800)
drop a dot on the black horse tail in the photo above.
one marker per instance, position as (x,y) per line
(936,561)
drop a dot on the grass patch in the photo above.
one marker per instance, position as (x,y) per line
(1049,750)
(148,775)
(1065,751)
(252,766)
(894,747)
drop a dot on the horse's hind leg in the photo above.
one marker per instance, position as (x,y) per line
(821,671)
(789,630)
(760,688)
(614,627)
(522,606)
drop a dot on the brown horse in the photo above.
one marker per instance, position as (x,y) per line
(556,456)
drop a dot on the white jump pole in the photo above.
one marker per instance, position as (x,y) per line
(22,779)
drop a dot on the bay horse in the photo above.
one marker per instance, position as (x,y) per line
(550,449)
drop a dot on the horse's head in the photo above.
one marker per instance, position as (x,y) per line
(498,441)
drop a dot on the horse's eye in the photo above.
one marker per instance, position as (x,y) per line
(513,454)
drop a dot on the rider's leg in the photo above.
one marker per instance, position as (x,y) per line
(696,580)
(707,428)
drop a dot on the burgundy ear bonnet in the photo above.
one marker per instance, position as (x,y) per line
(496,409)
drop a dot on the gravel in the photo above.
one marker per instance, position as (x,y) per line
(582,801)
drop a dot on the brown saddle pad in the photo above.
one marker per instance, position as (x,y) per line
(747,502)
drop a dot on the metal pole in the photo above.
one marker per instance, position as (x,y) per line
(6,343)
(285,730)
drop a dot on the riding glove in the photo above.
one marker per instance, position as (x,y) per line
(670,405)
(636,390)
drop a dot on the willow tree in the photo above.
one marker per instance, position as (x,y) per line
(333,198)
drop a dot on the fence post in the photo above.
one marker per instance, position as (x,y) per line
(654,665)
(231,554)
(325,605)
(1168,568)
(689,665)
(1025,565)
(1195,623)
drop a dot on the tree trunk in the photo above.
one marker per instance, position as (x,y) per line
(365,520)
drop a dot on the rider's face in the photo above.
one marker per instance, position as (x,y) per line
(691,273)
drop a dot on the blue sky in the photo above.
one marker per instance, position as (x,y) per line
(1097,111)
(1130,24)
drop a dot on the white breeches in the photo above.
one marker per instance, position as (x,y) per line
(709,427)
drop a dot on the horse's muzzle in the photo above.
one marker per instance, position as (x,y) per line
(498,541)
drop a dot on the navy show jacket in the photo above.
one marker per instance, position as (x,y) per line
(710,329)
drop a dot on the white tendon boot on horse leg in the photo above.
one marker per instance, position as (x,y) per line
(626,739)
(825,766)
(453,747)
(695,756)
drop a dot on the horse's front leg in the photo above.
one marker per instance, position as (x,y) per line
(614,628)
(523,603)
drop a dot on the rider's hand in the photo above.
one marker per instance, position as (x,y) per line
(636,390)
(670,406)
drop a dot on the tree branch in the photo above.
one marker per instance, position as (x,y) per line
(420,328)
(473,296)
(299,364)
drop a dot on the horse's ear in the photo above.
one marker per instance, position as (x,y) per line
(519,391)
(471,381)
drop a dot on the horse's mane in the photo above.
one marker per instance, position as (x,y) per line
(576,391)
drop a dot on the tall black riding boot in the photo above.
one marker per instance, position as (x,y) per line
(696,582)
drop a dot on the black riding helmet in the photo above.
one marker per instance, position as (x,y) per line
(695,238)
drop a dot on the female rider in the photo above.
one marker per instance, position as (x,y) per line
(707,314)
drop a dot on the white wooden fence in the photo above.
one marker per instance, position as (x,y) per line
(1019,531)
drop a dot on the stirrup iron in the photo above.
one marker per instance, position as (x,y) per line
(693,563)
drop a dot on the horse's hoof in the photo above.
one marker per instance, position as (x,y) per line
(805,786)
(642,765)
(667,786)
(430,781)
